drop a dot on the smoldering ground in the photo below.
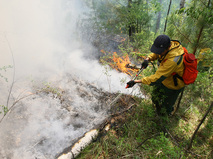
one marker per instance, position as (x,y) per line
(44,123)
(57,94)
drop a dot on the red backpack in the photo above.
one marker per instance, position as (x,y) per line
(190,70)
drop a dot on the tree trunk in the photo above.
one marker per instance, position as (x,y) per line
(167,15)
(158,19)
(131,26)
(200,32)
(198,39)
(138,22)
(182,4)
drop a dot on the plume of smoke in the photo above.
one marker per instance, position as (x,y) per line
(45,42)
(37,33)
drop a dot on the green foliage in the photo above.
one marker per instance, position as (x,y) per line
(108,19)
(48,88)
(4,68)
(4,109)
(202,90)
(192,25)
(162,147)
(199,11)
(205,60)
(139,47)
(143,41)
(125,48)
(137,15)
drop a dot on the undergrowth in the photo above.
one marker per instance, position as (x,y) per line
(142,136)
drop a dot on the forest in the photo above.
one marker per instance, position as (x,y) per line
(126,29)
(62,63)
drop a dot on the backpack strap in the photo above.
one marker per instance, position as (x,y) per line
(175,76)
(178,60)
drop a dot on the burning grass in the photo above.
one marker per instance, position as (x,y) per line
(119,63)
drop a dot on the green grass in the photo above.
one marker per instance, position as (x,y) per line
(141,136)
(141,133)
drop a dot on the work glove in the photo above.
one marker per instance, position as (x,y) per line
(130,83)
(144,64)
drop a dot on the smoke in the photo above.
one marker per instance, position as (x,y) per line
(37,32)
(41,41)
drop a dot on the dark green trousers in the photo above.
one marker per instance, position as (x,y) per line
(165,98)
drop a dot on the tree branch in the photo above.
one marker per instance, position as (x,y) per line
(181,33)
(201,122)
(177,144)
(10,109)
(147,139)
(11,87)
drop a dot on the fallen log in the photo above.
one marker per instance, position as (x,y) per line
(90,136)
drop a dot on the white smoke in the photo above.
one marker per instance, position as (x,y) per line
(44,41)
(37,33)
(42,38)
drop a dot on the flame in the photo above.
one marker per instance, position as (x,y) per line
(120,63)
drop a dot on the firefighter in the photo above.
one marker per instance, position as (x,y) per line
(169,54)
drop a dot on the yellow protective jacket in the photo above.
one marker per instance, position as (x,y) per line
(169,63)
